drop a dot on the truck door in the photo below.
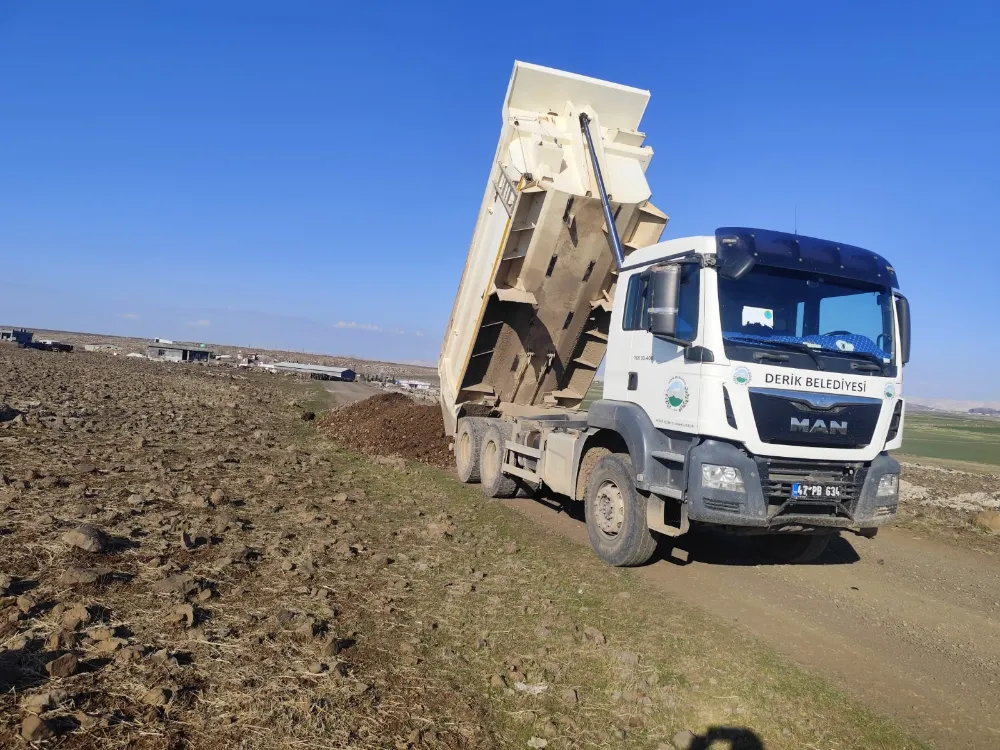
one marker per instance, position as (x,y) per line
(666,385)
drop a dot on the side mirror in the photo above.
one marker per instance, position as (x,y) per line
(734,261)
(903,320)
(664,293)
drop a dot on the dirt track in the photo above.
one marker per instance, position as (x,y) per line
(907,623)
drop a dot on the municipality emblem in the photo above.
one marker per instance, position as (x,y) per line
(677,394)
(741,376)
(890,390)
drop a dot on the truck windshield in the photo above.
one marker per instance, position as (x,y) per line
(776,307)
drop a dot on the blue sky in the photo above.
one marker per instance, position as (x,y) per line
(306,175)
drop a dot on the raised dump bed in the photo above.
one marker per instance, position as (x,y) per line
(529,325)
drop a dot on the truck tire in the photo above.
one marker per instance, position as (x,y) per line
(793,549)
(494,482)
(616,514)
(468,443)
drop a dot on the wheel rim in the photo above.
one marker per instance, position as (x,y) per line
(464,449)
(610,509)
(490,459)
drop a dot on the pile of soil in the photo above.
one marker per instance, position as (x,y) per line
(391,424)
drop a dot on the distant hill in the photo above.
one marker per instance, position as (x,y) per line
(985,410)
(953,405)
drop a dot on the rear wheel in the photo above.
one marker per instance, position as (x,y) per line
(616,514)
(494,482)
(468,442)
(793,548)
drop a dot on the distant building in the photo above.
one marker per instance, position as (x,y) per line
(51,345)
(414,385)
(317,372)
(178,352)
(18,336)
(101,348)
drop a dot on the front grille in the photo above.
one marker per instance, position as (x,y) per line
(778,476)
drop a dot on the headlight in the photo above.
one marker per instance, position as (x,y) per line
(722,478)
(888,486)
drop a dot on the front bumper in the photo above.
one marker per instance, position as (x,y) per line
(767,501)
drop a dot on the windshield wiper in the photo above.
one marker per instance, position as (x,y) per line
(879,364)
(789,345)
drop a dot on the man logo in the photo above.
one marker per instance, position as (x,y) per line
(818,426)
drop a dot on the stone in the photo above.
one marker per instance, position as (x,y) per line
(36,729)
(684,739)
(86,537)
(61,640)
(6,582)
(570,696)
(43,702)
(183,613)
(101,633)
(110,645)
(74,617)
(595,636)
(63,666)
(157,696)
(317,667)
(988,520)
(178,583)
(81,576)
(542,632)
(25,604)
(497,681)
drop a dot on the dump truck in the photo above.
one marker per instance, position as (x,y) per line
(752,378)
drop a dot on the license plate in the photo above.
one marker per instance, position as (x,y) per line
(825,491)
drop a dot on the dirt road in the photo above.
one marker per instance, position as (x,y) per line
(909,624)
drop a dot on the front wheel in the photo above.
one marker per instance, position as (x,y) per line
(616,514)
(793,548)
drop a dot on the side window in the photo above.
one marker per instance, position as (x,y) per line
(635,304)
(689,302)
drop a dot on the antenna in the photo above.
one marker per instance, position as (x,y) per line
(796,219)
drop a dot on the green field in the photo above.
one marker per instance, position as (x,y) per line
(952,437)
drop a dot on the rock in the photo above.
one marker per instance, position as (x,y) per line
(988,520)
(129,654)
(537,742)
(549,728)
(218,497)
(570,696)
(61,640)
(88,538)
(542,632)
(684,739)
(317,667)
(618,733)
(35,729)
(82,576)
(183,613)
(157,696)
(6,582)
(25,604)
(595,636)
(497,681)
(179,583)
(43,702)
(74,617)
(63,666)
(101,634)
(110,645)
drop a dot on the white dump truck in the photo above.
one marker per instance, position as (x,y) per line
(753,378)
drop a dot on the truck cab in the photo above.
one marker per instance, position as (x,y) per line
(771,363)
